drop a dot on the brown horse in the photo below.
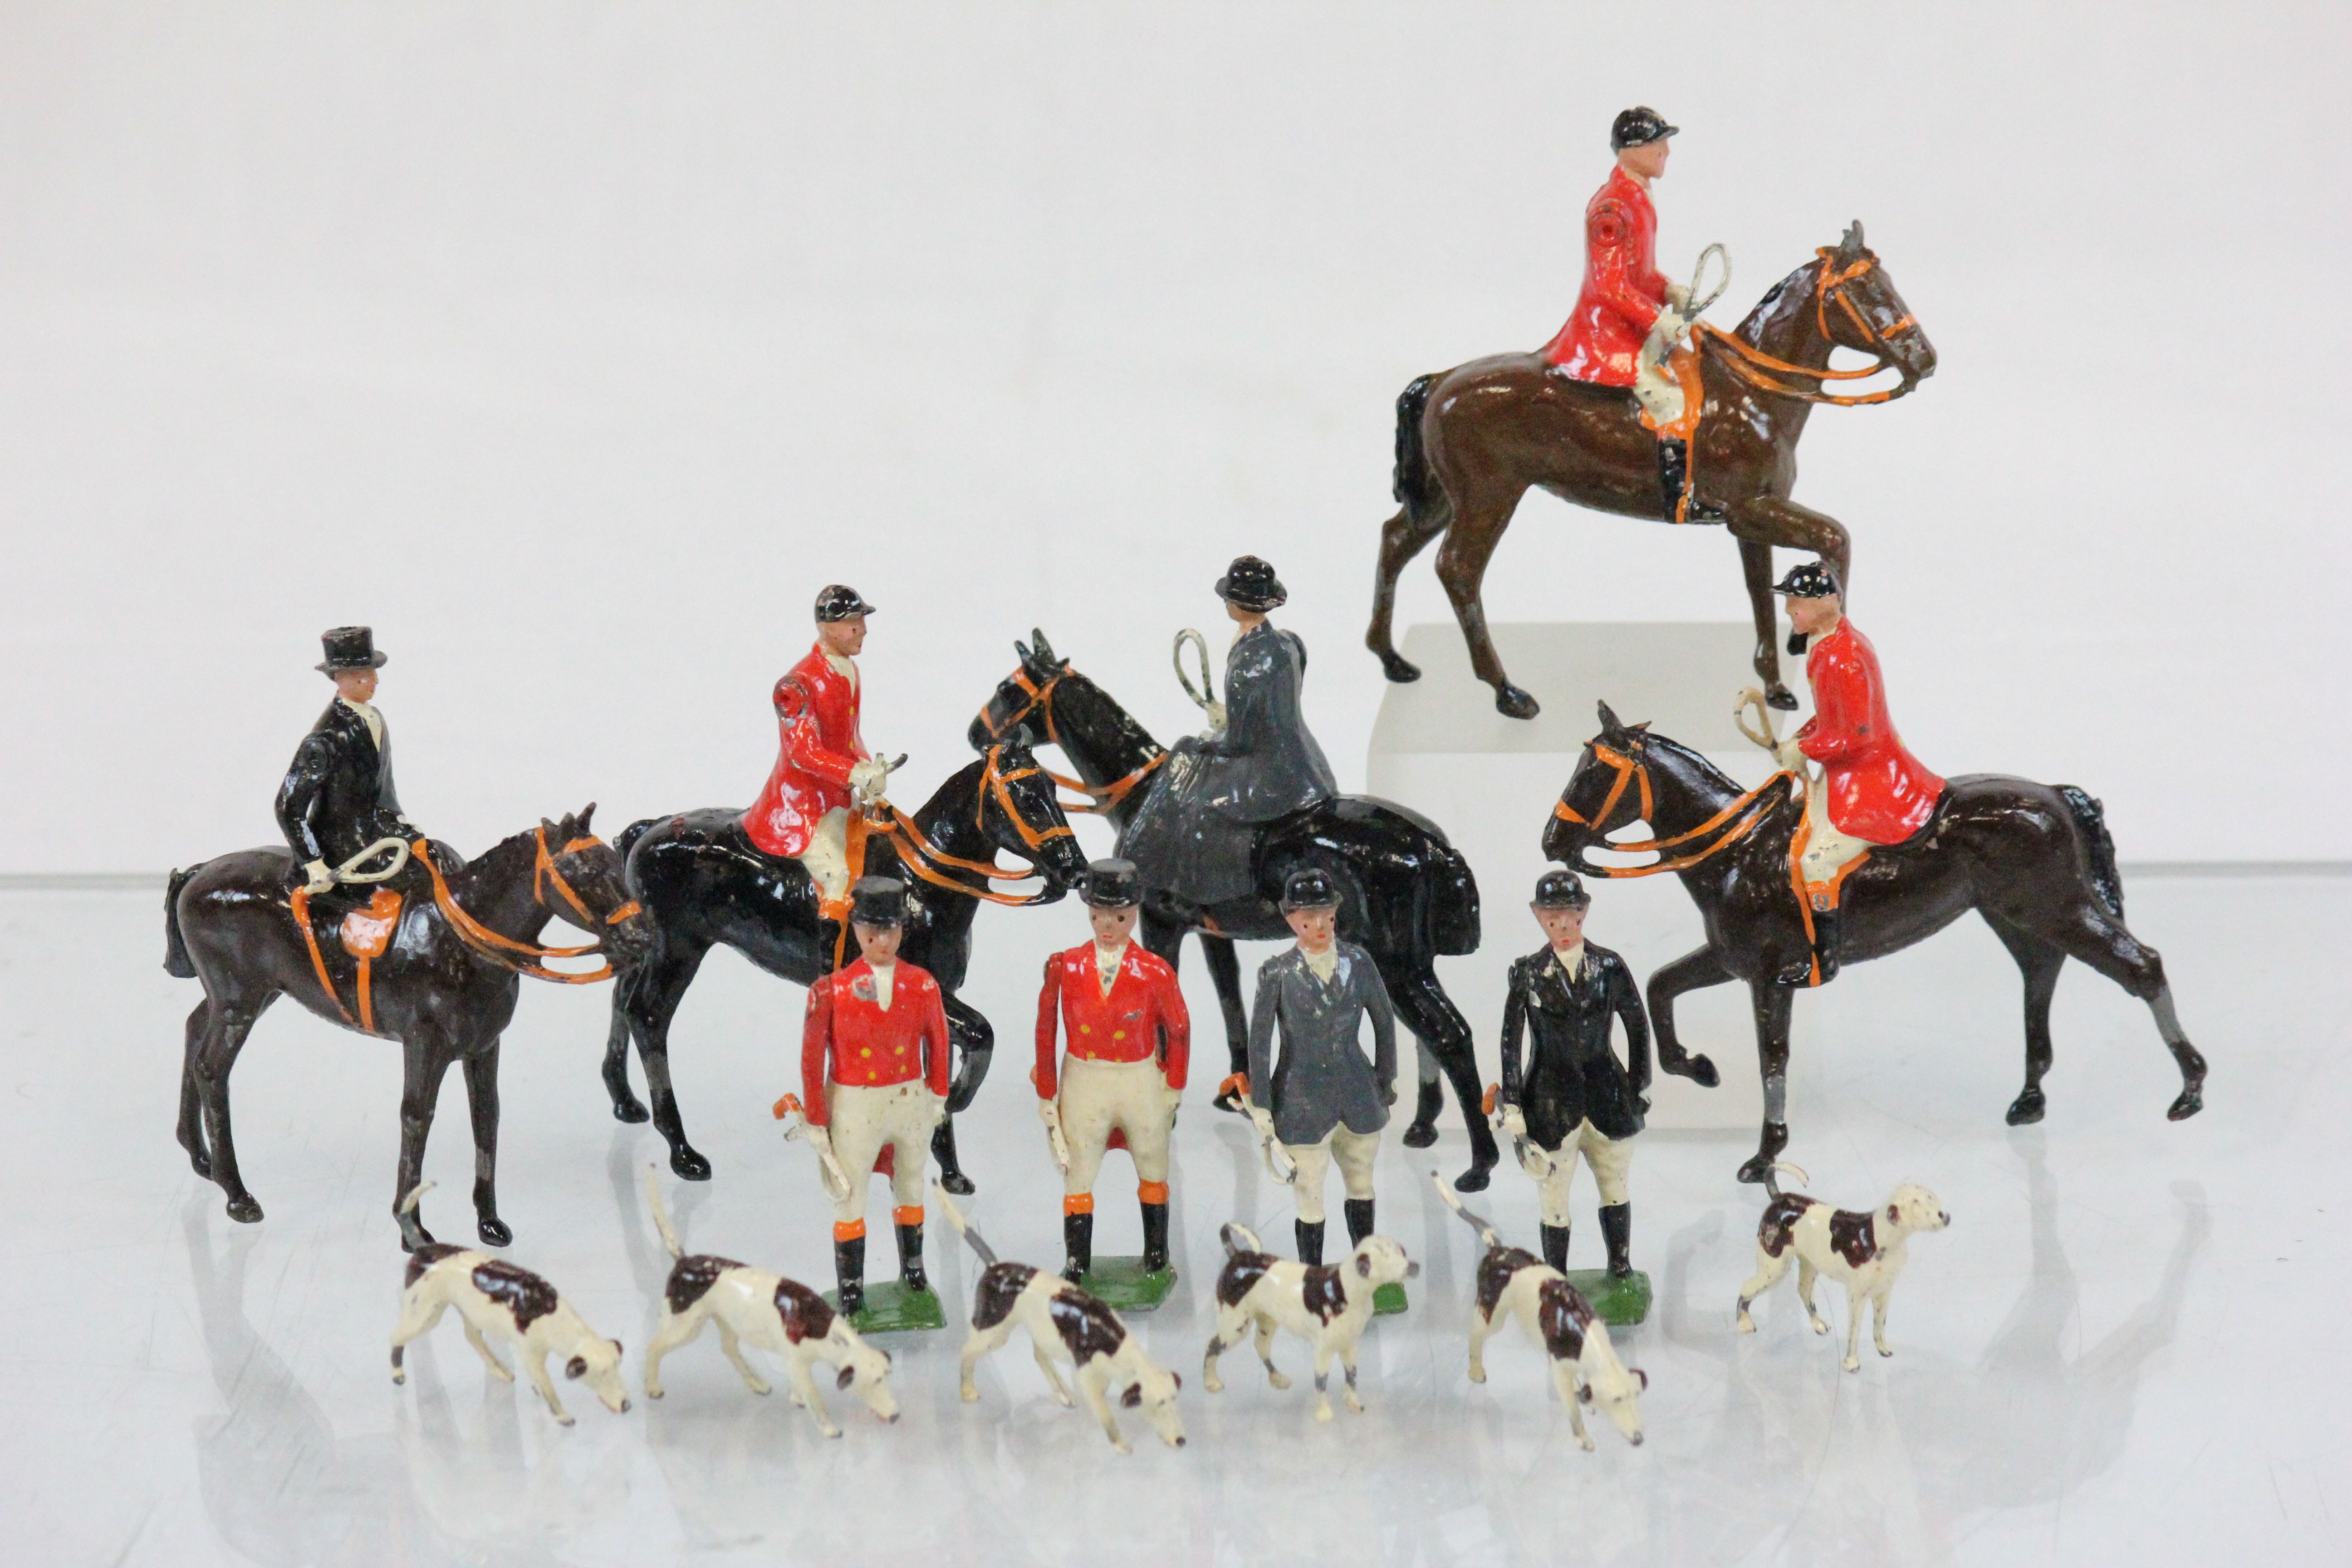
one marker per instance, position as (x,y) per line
(1471,440)
(444,985)
(2034,859)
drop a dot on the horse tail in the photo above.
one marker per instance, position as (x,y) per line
(1451,910)
(2099,845)
(1411,481)
(661,1214)
(176,962)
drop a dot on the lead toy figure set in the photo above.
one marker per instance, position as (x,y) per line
(1852,850)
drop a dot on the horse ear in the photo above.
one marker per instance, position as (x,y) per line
(1045,649)
(1851,243)
(1022,649)
(1610,724)
(580,829)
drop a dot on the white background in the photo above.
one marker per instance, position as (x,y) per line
(575,346)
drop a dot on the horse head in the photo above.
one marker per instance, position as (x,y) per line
(1021,813)
(578,877)
(1015,706)
(1608,790)
(1860,309)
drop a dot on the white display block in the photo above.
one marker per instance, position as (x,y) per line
(1440,747)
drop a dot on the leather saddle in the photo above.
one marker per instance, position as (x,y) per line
(367,931)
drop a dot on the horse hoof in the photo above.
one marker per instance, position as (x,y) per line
(1399,668)
(1753,1172)
(2026,1109)
(2191,1103)
(1783,698)
(494,1231)
(242,1209)
(630,1111)
(958,1183)
(1702,1072)
(1473,1179)
(1420,1136)
(690,1165)
(1514,703)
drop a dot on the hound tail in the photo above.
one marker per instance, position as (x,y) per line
(1486,1231)
(661,1215)
(1239,1237)
(408,1204)
(1773,1187)
(955,1218)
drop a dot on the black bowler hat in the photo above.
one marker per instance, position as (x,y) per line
(1308,888)
(1561,890)
(1112,884)
(1638,127)
(1813,579)
(351,648)
(1251,584)
(838,602)
(878,901)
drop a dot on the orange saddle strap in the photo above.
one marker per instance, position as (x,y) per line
(365,933)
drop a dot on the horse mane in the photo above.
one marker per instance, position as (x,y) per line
(1107,722)
(1689,766)
(1781,300)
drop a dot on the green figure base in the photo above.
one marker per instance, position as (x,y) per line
(1619,1299)
(891,1308)
(1388,1300)
(1124,1285)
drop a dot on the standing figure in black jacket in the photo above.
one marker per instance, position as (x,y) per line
(337,797)
(1574,1096)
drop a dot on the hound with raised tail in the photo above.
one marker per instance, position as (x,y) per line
(1863,1250)
(494,1297)
(1325,1305)
(781,1316)
(1512,1283)
(1059,1316)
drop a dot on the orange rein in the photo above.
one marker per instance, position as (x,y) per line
(1101,799)
(922,857)
(1630,769)
(1759,369)
(523,957)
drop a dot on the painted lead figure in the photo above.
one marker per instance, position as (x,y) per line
(337,806)
(1130,1040)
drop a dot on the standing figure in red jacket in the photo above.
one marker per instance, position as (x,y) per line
(1870,790)
(874,1070)
(822,762)
(1130,1041)
(1629,320)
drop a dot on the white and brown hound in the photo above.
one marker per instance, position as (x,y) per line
(1059,1316)
(1325,1305)
(781,1316)
(1863,1250)
(494,1297)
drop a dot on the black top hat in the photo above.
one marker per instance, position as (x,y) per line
(838,602)
(1561,890)
(1812,580)
(878,901)
(1638,127)
(351,648)
(1112,884)
(1308,888)
(1251,584)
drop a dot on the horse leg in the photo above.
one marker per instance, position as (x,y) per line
(227,1024)
(974,1041)
(2039,963)
(626,1104)
(1225,969)
(1774,1004)
(2100,939)
(1433,1019)
(1402,537)
(1461,568)
(1691,972)
(192,1101)
(1761,522)
(425,1060)
(661,984)
(482,1104)
(1756,567)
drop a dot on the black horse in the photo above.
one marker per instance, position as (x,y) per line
(706,883)
(2034,859)
(444,985)
(1406,896)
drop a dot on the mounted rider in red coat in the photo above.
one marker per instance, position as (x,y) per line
(822,764)
(1629,320)
(1871,790)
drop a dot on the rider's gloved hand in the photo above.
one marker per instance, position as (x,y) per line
(866,777)
(1678,297)
(1791,756)
(317,877)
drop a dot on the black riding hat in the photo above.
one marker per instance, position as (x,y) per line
(838,602)
(1308,888)
(1638,127)
(1561,890)
(1112,884)
(351,648)
(1812,580)
(1251,584)
(878,901)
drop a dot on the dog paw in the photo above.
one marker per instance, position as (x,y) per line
(1477,1374)
(1883,1351)
(1277,1378)
(1124,1446)
(1213,1385)
(1355,1405)
(1747,1324)
(1819,1327)
(563,1421)
(1323,1412)
(970,1394)
(1587,1444)
(1853,1364)
(652,1391)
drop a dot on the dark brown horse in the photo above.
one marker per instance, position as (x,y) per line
(2034,859)
(1471,440)
(444,985)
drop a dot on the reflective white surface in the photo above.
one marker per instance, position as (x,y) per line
(2126,1348)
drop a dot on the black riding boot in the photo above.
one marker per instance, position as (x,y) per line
(911,1256)
(1555,1246)
(1674,477)
(943,1150)
(849,1270)
(1617,1231)
(1359,1220)
(1423,1131)
(1079,1245)
(1310,1240)
(1828,937)
(1155,1238)
(832,937)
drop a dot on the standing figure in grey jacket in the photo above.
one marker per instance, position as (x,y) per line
(1323,1102)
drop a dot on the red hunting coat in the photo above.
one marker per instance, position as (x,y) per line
(817,745)
(1877,790)
(1624,289)
(850,1038)
(1123,1027)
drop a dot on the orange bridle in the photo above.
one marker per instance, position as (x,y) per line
(523,957)
(1761,369)
(925,857)
(1100,799)
(1633,772)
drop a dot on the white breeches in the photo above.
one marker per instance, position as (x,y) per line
(1826,849)
(827,855)
(1097,1096)
(1354,1151)
(1655,385)
(1609,1157)
(863,1118)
